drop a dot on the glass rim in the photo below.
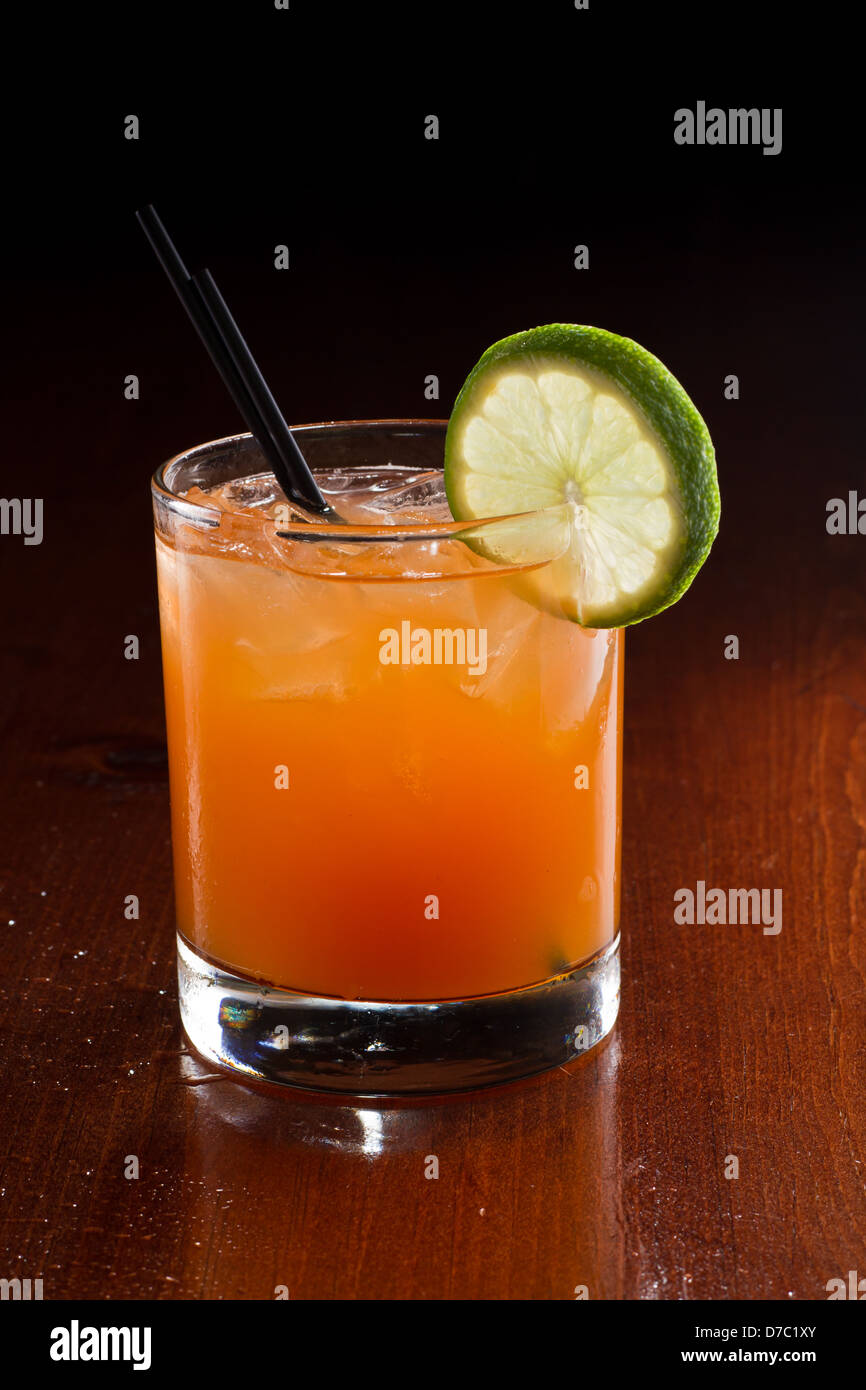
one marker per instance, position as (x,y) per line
(316,529)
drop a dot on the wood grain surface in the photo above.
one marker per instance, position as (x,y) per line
(609,1173)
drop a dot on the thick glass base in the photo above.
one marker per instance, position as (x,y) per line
(371,1048)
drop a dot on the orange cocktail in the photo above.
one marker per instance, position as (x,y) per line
(394,777)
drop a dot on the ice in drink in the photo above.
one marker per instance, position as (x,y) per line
(352,816)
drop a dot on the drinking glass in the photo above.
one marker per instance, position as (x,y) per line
(394,773)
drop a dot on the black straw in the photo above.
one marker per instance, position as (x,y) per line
(190,298)
(235,363)
(299,485)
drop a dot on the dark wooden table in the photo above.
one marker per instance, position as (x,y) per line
(733,1044)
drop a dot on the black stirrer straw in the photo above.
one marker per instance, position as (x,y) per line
(235,363)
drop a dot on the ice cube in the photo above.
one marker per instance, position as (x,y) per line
(393,497)
(575,669)
(259,491)
(365,479)
(512,629)
(422,498)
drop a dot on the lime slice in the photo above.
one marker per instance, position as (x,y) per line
(574,417)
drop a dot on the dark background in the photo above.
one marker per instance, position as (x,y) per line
(409,257)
